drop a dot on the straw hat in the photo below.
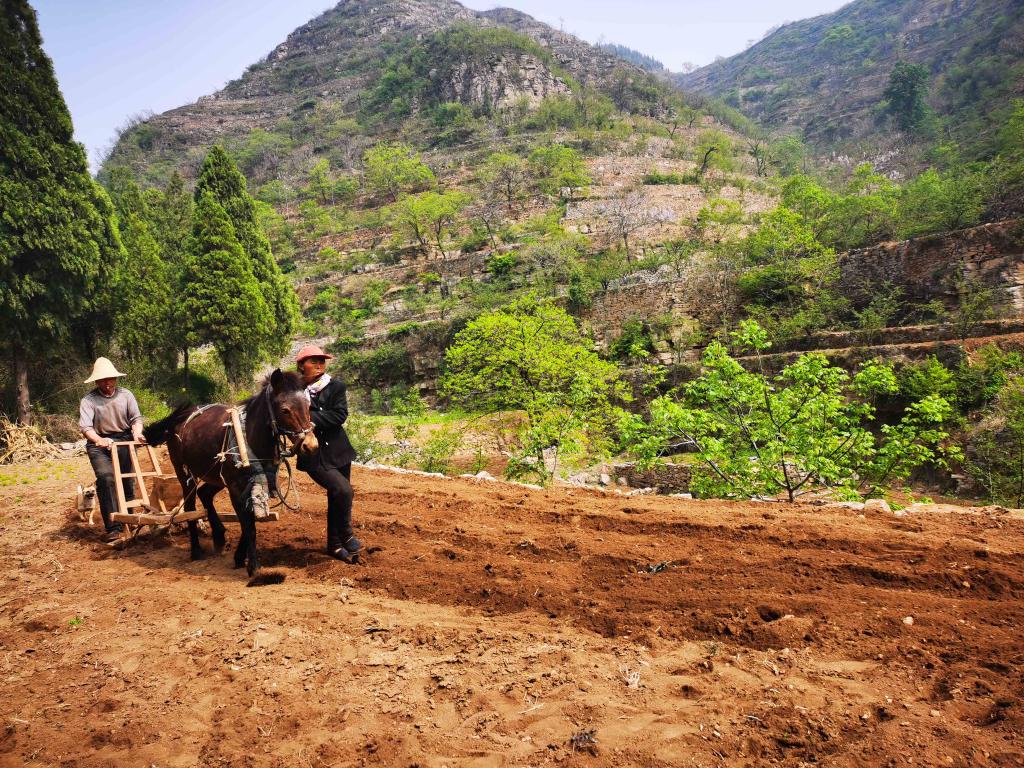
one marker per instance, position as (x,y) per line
(103,369)
(311,350)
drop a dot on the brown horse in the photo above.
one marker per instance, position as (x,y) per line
(205,461)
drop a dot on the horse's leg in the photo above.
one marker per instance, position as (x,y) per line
(206,494)
(246,552)
(187,481)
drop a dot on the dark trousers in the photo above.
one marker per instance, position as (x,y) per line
(339,500)
(103,466)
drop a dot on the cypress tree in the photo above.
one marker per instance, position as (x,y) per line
(220,301)
(219,176)
(58,240)
(143,323)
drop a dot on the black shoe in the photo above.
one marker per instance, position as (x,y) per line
(111,536)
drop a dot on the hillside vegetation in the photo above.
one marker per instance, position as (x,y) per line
(424,174)
(826,78)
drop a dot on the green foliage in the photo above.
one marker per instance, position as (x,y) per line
(635,343)
(439,448)
(713,149)
(558,168)
(906,96)
(429,217)
(928,377)
(996,451)
(455,124)
(220,301)
(59,245)
(790,285)
(530,356)
(391,169)
(809,426)
(504,176)
(144,322)
(219,176)
(501,265)
(934,202)
(585,109)
(656,177)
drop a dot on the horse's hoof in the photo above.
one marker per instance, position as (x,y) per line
(340,553)
(218,546)
(198,554)
(239,563)
(251,570)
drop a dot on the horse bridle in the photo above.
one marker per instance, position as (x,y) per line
(293,435)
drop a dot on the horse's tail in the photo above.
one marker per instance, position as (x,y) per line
(158,432)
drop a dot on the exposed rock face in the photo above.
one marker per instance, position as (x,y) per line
(502,81)
(927,268)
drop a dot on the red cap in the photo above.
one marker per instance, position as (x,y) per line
(312,350)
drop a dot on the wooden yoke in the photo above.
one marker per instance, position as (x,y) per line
(243,449)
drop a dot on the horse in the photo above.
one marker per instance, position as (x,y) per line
(197,438)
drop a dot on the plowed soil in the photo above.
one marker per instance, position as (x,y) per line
(489,624)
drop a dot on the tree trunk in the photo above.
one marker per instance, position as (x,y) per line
(186,374)
(21,386)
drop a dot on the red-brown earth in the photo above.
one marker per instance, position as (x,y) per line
(489,624)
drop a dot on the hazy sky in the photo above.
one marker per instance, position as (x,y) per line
(116,58)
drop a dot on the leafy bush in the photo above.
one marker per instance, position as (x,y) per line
(809,426)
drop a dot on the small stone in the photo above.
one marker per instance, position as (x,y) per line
(967,584)
(909,621)
(877,505)
(605,478)
(935,713)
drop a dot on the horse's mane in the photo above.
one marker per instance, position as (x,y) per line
(290,382)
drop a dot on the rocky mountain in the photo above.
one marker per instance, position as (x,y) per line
(824,77)
(382,59)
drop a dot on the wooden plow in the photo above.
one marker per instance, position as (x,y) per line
(158,502)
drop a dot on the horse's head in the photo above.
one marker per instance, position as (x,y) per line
(290,406)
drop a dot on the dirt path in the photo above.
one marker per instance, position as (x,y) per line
(493,624)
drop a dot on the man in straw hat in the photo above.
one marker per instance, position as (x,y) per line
(107,414)
(331,466)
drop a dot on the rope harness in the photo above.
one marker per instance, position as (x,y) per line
(234,446)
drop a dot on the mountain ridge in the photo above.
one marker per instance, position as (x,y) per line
(825,77)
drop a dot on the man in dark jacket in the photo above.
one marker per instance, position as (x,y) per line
(331,466)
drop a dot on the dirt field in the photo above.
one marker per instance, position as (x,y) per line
(493,625)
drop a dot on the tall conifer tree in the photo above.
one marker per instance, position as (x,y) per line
(58,241)
(144,323)
(224,181)
(220,301)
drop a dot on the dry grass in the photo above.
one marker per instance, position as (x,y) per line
(20,444)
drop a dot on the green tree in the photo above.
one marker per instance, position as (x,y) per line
(934,202)
(429,217)
(59,243)
(219,176)
(530,356)
(220,302)
(809,426)
(906,96)
(143,322)
(559,170)
(996,450)
(391,169)
(504,177)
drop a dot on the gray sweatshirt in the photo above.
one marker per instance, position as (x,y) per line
(109,415)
